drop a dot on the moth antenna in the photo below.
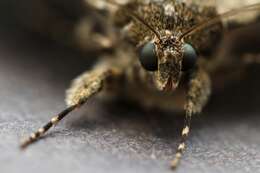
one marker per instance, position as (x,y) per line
(182,145)
(218,18)
(141,20)
(138,18)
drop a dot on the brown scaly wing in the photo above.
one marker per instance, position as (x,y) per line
(244,18)
(75,24)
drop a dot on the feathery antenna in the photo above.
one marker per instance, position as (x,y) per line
(218,18)
(138,18)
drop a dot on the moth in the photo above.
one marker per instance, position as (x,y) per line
(163,55)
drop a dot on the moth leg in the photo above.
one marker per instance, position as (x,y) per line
(198,93)
(85,86)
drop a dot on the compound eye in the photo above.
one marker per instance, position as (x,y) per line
(189,57)
(148,58)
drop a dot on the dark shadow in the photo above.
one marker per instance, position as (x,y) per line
(31,53)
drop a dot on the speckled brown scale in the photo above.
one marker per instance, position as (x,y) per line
(171,15)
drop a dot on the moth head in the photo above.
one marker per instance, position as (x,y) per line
(166,59)
(168,56)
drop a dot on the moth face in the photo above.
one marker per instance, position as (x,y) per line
(166,60)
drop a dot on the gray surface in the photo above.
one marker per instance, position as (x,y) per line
(115,137)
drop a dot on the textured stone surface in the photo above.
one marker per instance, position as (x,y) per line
(115,137)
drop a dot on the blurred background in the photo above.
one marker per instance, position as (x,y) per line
(43,47)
